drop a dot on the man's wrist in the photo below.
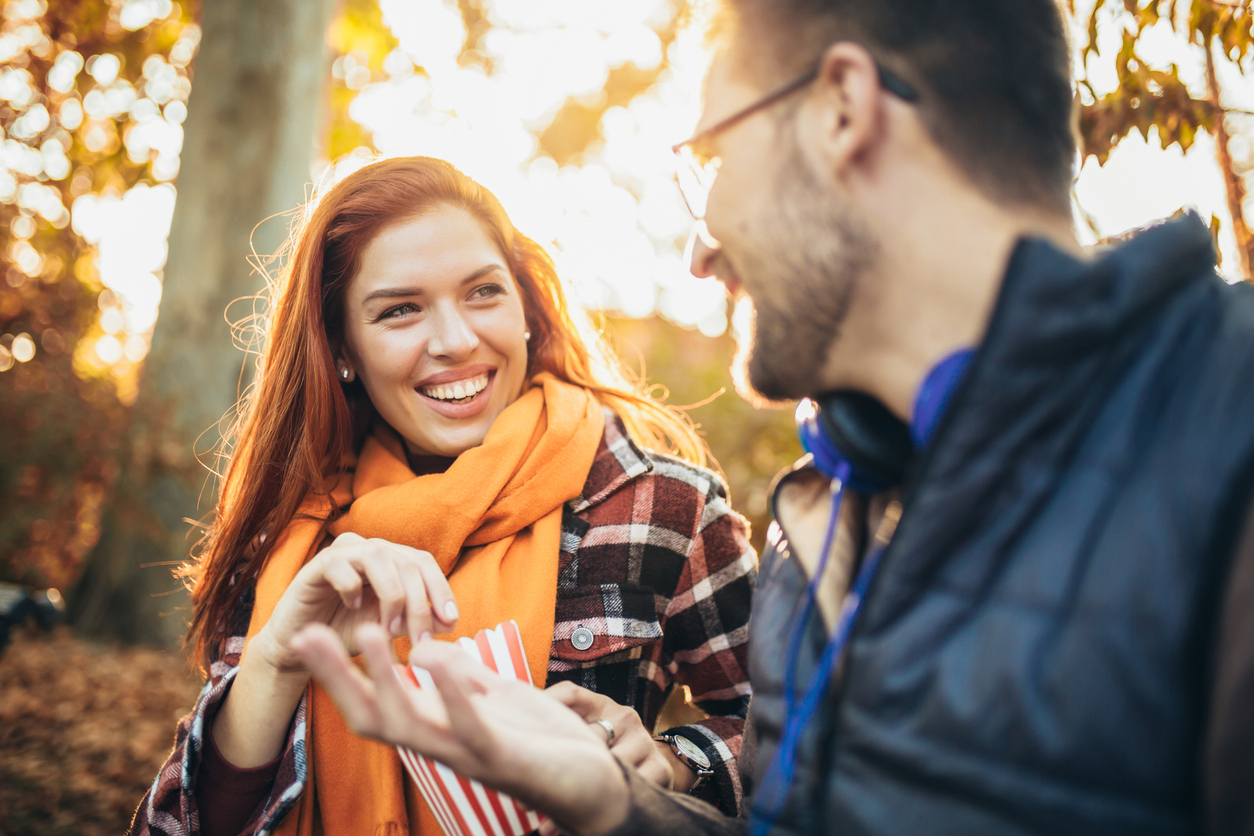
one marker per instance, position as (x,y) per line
(691,766)
(610,799)
(682,775)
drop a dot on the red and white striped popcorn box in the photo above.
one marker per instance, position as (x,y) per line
(465,807)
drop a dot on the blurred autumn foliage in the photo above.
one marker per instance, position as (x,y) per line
(78,764)
(1148,98)
(83,85)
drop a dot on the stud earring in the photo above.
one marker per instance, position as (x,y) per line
(344,373)
(526,335)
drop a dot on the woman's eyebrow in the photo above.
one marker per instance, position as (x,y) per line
(481,272)
(401,292)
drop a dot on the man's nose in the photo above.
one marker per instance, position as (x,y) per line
(703,251)
(453,337)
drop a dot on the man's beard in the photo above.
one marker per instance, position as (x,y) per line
(802,269)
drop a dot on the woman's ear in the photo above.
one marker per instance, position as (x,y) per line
(344,370)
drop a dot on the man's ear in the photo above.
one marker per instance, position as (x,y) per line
(843,118)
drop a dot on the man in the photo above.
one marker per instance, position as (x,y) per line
(1058,638)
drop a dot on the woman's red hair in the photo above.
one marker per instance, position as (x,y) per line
(298,423)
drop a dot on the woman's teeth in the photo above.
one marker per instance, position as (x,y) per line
(460,391)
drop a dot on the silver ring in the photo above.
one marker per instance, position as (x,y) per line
(610,734)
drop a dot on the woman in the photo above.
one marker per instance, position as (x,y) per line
(434,445)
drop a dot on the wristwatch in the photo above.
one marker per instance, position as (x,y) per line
(691,756)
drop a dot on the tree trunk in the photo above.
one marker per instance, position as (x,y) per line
(1233,184)
(252,118)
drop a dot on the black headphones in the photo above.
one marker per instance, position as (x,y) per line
(854,438)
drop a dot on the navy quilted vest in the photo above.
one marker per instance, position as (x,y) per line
(1034,654)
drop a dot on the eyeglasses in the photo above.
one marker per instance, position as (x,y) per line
(696,167)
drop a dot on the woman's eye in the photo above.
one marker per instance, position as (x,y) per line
(399,310)
(487,291)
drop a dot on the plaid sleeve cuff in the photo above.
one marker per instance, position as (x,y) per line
(293,774)
(170,805)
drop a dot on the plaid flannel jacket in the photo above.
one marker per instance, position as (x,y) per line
(653,562)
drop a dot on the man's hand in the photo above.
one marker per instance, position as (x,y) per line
(509,735)
(633,744)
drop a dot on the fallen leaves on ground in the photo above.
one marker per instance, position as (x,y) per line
(83,730)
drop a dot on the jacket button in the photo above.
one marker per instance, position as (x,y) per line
(581,638)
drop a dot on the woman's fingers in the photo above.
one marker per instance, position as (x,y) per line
(384,577)
(321,650)
(417,604)
(635,746)
(413,593)
(587,704)
(343,578)
(632,744)
(657,770)
(439,593)
(431,607)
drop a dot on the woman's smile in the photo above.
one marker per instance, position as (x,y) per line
(460,397)
(461,391)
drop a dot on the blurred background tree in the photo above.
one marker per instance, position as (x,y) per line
(253,114)
(1157,98)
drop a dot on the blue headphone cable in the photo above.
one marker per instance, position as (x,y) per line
(931,403)
(770,799)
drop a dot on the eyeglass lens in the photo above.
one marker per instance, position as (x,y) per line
(695,180)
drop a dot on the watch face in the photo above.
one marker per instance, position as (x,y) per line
(692,751)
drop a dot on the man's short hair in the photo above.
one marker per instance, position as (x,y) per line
(994,76)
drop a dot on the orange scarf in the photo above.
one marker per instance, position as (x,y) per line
(493,523)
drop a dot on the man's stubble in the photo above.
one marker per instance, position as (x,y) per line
(800,272)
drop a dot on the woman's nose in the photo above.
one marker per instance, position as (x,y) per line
(453,337)
(703,251)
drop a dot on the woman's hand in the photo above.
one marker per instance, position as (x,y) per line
(357,581)
(504,733)
(351,582)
